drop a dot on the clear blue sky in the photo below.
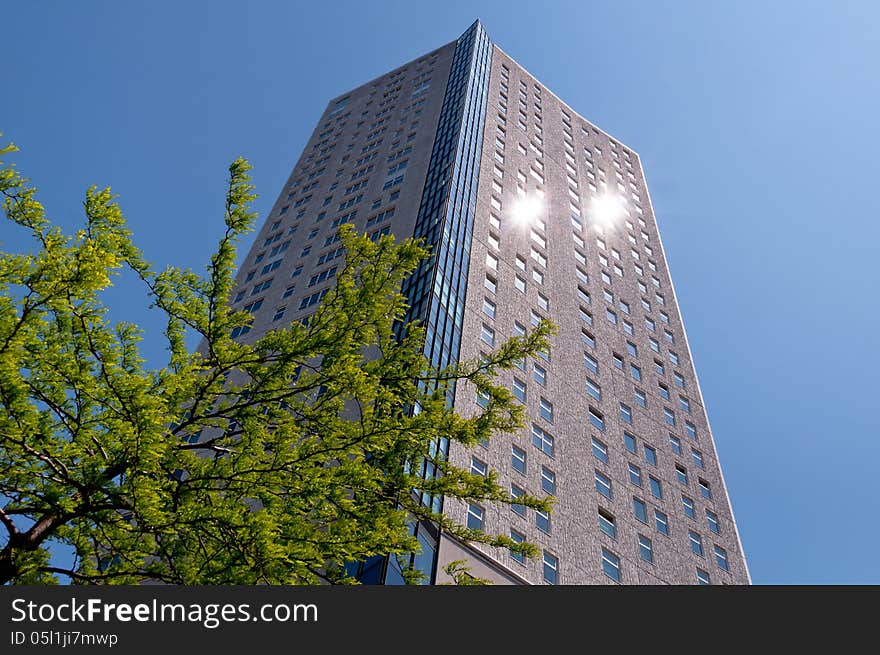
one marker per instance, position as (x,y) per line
(756,123)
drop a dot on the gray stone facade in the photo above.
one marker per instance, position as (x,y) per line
(572,164)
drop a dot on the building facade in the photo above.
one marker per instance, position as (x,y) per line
(531,211)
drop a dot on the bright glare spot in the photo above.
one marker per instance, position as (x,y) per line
(526,209)
(606,210)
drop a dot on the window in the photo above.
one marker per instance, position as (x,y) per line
(635,475)
(520,284)
(488,308)
(705,489)
(606,524)
(478,467)
(517,538)
(630,442)
(600,450)
(658,367)
(519,390)
(688,506)
(696,542)
(682,474)
(491,284)
(518,459)
(697,456)
(646,549)
(596,419)
(626,413)
(661,522)
(548,480)
(594,389)
(551,568)
(675,444)
(669,416)
(640,510)
(655,345)
(611,316)
(712,520)
(703,577)
(656,487)
(650,455)
(516,492)
(542,440)
(684,403)
(632,349)
(603,485)
(491,261)
(475,517)
(588,338)
(539,374)
(641,398)
(487,334)
(618,361)
(635,372)
(691,430)
(542,521)
(611,565)
(591,363)
(721,558)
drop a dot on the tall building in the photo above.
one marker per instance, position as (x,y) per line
(531,211)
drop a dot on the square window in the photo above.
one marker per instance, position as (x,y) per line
(542,521)
(640,510)
(475,517)
(611,565)
(603,484)
(518,459)
(517,538)
(646,549)
(542,440)
(661,522)
(607,524)
(600,450)
(488,308)
(551,568)
(516,492)
(594,389)
(539,374)
(712,520)
(688,506)
(682,474)
(487,334)
(478,467)
(591,363)
(705,489)
(519,390)
(703,577)
(635,475)
(596,419)
(548,480)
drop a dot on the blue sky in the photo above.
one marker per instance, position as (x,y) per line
(755,121)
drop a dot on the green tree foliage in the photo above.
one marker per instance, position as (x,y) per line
(270,460)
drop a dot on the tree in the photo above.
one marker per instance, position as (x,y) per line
(271,460)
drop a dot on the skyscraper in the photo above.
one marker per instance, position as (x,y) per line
(531,211)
